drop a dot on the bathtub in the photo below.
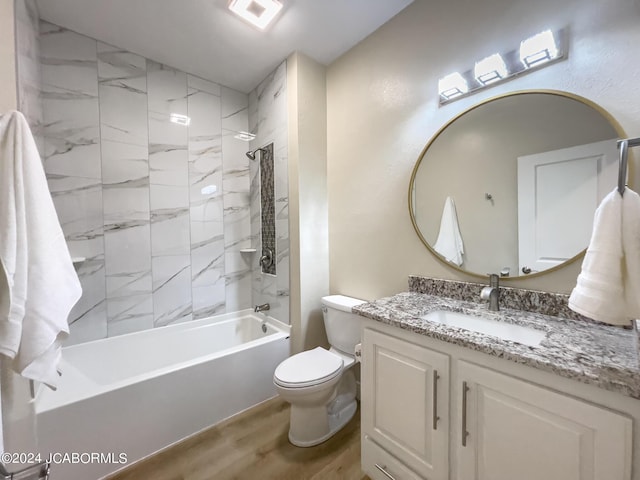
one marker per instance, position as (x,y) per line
(123,398)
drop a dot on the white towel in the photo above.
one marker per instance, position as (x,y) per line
(43,285)
(449,243)
(608,286)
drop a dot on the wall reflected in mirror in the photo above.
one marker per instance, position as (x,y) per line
(523,175)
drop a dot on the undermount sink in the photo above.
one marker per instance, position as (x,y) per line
(506,331)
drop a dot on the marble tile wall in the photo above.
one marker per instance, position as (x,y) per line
(28,66)
(159,208)
(268,120)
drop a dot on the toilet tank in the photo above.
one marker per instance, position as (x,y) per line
(342,326)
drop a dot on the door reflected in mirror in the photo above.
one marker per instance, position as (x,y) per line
(511,185)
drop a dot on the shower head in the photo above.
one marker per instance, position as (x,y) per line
(252,155)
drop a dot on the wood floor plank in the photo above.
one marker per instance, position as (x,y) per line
(252,445)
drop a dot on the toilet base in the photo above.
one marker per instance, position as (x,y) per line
(311,426)
(336,421)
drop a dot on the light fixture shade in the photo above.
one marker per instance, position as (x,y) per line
(490,69)
(452,85)
(538,49)
(257,12)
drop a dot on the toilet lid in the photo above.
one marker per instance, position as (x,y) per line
(308,368)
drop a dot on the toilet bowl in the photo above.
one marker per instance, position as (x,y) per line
(319,383)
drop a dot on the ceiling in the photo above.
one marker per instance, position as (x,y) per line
(204,38)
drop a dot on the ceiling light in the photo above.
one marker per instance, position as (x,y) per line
(452,85)
(180,119)
(538,49)
(490,69)
(245,136)
(257,12)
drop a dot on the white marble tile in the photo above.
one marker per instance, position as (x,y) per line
(168,141)
(128,251)
(238,280)
(170,223)
(121,68)
(207,262)
(127,283)
(268,120)
(29,79)
(129,314)
(124,162)
(78,203)
(123,100)
(204,112)
(234,151)
(197,84)
(126,204)
(171,289)
(235,106)
(168,164)
(92,325)
(208,210)
(70,103)
(91,273)
(209,300)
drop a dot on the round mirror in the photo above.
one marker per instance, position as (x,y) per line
(511,185)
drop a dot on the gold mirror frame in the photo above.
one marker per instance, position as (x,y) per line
(612,121)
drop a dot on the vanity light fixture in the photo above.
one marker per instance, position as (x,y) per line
(453,85)
(539,50)
(180,119)
(490,69)
(259,13)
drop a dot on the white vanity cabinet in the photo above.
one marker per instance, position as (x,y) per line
(515,429)
(493,425)
(405,413)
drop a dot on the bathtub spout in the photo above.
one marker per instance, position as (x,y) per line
(261,308)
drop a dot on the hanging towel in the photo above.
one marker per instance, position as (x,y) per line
(449,243)
(608,286)
(42,283)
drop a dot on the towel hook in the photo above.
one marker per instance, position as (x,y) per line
(623,146)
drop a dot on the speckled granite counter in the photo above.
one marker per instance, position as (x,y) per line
(592,353)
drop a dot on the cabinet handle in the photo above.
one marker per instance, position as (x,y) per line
(465,389)
(384,471)
(435,399)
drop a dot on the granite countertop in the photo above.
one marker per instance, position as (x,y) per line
(585,351)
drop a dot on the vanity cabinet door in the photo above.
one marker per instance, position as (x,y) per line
(517,430)
(405,405)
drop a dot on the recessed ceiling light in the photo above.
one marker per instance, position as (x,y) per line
(258,12)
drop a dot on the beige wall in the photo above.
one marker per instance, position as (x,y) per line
(308,220)
(382,109)
(7,57)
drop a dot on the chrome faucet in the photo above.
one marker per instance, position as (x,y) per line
(261,308)
(492,292)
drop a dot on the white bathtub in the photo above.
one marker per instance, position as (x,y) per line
(137,393)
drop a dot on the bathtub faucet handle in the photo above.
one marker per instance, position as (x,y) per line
(261,308)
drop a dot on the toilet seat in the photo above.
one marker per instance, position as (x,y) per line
(309,368)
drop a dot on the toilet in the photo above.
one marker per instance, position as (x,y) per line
(319,383)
